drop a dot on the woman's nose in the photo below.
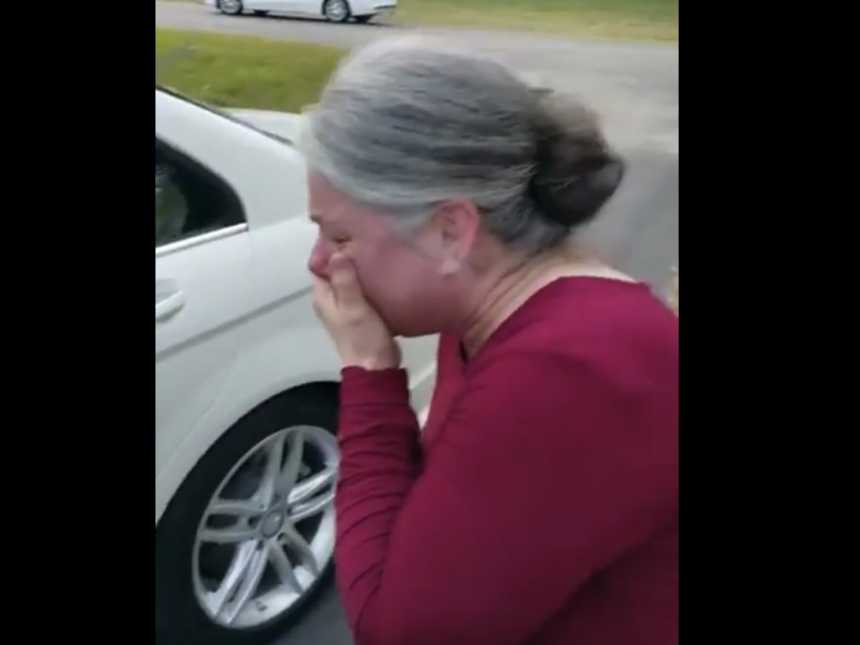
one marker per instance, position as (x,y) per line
(318,262)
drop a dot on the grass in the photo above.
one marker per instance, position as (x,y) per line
(240,71)
(611,19)
(621,19)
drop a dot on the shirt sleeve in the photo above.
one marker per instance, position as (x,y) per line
(542,475)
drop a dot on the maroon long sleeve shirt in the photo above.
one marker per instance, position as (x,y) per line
(539,504)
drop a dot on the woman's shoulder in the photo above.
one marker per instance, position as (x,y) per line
(605,327)
(586,362)
(589,304)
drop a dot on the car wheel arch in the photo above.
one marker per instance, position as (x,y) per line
(191,453)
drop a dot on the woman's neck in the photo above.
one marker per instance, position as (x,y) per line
(524,277)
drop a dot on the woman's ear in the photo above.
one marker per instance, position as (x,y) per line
(456,224)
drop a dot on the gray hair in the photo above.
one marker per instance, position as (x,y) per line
(406,124)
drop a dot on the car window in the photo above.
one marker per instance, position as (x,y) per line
(190,199)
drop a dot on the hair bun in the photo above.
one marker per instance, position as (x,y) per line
(575,171)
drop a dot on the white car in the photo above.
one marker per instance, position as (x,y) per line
(333,10)
(246,380)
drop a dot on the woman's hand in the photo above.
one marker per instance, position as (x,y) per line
(359,333)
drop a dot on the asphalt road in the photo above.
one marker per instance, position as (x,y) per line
(633,86)
(322,623)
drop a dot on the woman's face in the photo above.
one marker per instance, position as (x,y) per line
(400,279)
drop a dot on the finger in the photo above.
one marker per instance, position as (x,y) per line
(323,298)
(344,283)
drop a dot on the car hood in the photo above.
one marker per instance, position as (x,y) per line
(281,124)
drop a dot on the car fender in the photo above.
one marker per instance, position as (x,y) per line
(254,377)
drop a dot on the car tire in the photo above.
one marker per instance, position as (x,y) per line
(363,20)
(337,10)
(231,7)
(180,617)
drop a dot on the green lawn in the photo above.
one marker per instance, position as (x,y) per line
(621,19)
(238,71)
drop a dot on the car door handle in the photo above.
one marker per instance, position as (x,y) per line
(169,299)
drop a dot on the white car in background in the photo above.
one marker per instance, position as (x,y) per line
(246,380)
(333,10)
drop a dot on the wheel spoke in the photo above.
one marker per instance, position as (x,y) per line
(290,472)
(250,582)
(274,457)
(235,507)
(306,489)
(230,535)
(284,568)
(311,507)
(293,540)
(238,569)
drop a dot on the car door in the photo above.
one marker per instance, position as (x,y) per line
(306,7)
(287,6)
(202,278)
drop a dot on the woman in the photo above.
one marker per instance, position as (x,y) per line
(539,504)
